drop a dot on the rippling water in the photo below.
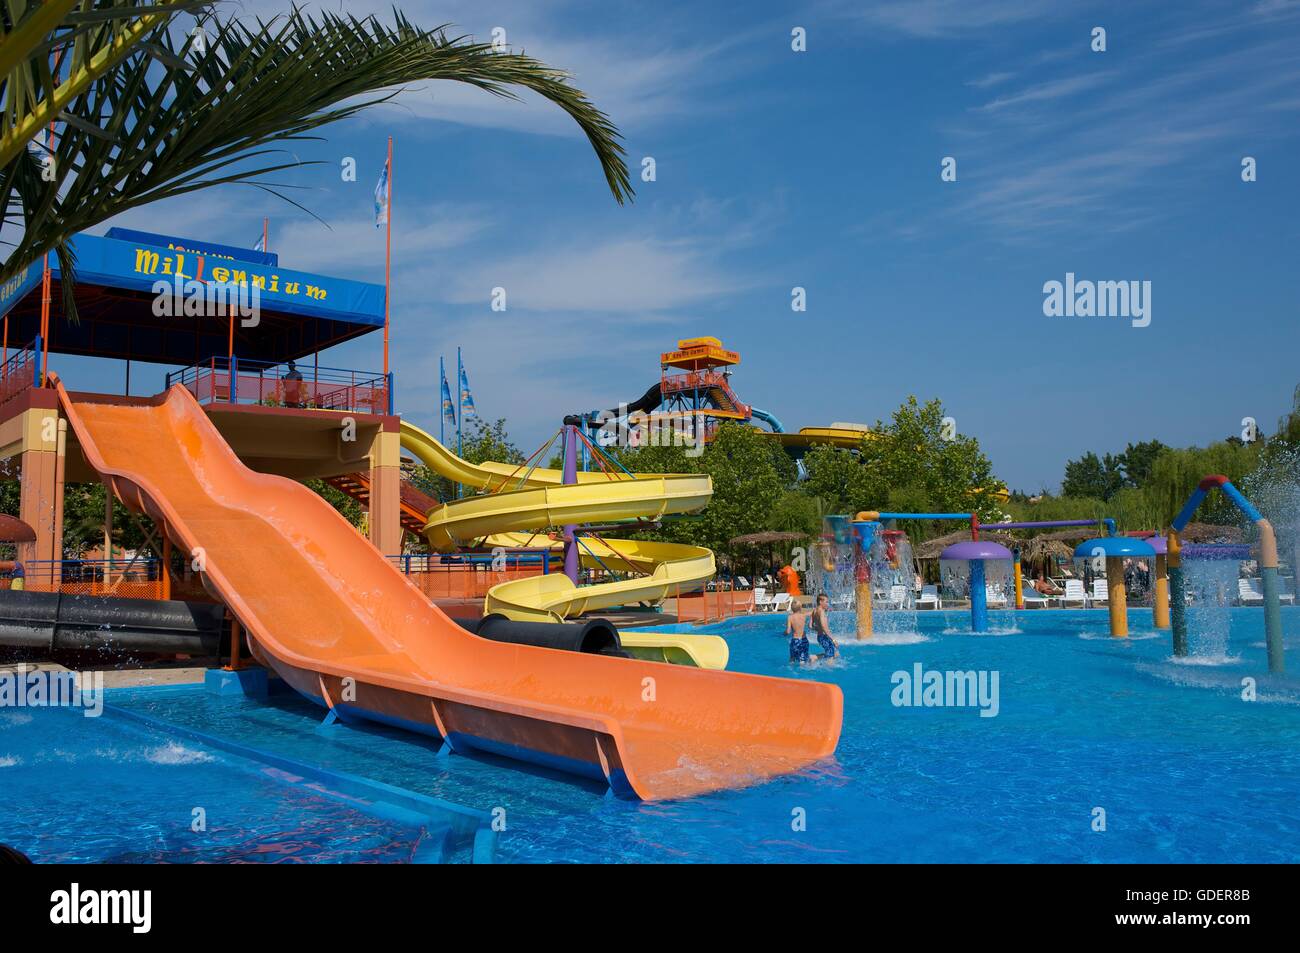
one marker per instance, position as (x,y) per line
(1182,767)
(79,789)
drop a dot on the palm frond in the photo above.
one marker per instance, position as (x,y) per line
(91,37)
(174,128)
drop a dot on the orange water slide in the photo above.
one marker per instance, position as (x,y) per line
(324,609)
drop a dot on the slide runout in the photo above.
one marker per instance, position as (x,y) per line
(321,606)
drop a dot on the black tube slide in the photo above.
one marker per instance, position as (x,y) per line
(648,401)
(595,637)
(56,622)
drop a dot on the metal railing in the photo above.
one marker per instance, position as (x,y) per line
(469,575)
(20,370)
(713,605)
(124,578)
(277,385)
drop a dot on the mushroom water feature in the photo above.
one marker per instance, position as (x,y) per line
(1115,549)
(982,564)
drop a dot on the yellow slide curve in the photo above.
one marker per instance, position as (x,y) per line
(538,499)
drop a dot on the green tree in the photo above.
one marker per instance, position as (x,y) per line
(914,463)
(1138,459)
(481,442)
(1090,475)
(750,475)
(1176,472)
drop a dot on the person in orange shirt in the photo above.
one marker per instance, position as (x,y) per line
(790,579)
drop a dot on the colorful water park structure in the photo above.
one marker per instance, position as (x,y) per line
(695,387)
(246,556)
(866,548)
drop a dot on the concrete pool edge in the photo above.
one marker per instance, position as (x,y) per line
(472,828)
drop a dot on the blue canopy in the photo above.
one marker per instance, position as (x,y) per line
(1126,546)
(299,312)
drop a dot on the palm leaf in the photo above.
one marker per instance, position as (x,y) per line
(91,39)
(154,128)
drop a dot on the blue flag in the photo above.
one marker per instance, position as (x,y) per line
(381,199)
(448,408)
(466,398)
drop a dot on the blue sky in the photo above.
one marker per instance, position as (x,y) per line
(821,169)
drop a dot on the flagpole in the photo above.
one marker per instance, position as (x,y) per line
(388,253)
(460,414)
(442,411)
(266,228)
(47,277)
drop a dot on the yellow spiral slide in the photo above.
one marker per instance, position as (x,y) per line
(538,499)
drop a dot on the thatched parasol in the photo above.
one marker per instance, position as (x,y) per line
(1057,545)
(768,538)
(1211,533)
(932,548)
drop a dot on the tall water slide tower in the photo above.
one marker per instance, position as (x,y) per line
(695,385)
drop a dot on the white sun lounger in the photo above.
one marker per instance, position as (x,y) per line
(929,598)
(994,599)
(1100,592)
(1249,593)
(1074,593)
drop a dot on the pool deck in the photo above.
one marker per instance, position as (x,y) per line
(188,672)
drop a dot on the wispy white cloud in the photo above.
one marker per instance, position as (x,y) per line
(338,248)
(1046,92)
(1055,152)
(989,80)
(946,18)
(638,79)
(624,275)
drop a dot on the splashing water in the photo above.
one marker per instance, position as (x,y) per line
(1212,584)
(834,572)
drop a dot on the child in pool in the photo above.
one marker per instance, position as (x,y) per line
(821,624)
(794,627)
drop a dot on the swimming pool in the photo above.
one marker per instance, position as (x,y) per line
(119,789)
(1183,768)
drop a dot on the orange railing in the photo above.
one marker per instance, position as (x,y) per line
(453,577)
(276,385)
(121,578)
(20,371)
(714,606)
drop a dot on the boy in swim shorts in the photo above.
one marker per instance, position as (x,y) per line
(821,623)
(794,627)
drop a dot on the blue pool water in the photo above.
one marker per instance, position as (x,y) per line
(79,789)
(1182,766)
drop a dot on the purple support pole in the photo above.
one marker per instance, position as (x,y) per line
(570,476)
